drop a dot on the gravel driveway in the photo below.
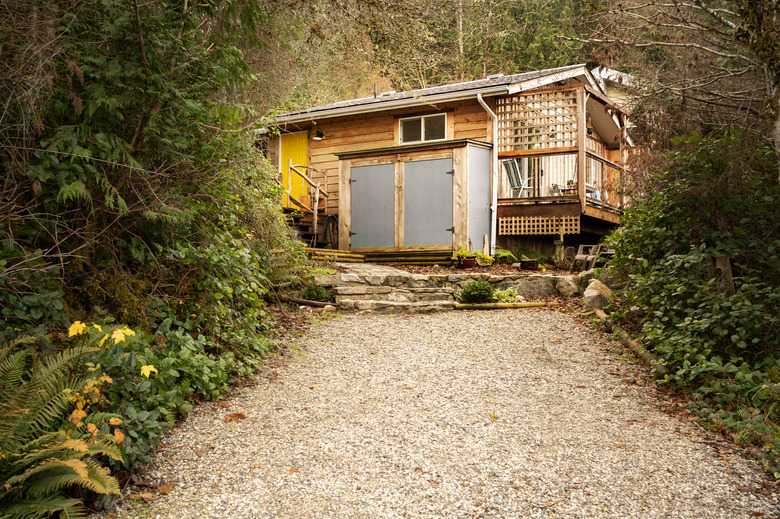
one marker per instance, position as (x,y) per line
(506,414)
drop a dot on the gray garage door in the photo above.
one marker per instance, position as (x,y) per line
(373,206)
(428,202)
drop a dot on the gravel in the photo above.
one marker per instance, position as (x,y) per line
(506,414)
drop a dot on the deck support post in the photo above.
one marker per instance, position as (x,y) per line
(582,123)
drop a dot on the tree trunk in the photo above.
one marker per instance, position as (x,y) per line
(459,13)
(487,40)
(776,138)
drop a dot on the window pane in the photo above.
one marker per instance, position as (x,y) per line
(411,130)
(435,127)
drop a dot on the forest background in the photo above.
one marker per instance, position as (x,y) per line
(138,219)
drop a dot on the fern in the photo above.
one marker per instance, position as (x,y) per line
(39,460)
(35,508)
(74,192)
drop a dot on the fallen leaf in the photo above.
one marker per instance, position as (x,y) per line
(222,405)
(756,514)
(293,470)
(582,387)
(234,417)
(146,496)
(257,465)
(164,489)
(268,426)
(407,388)
(198,453)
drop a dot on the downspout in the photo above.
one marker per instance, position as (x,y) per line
(494,177)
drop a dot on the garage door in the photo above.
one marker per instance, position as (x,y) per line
(373,206)
(428,202)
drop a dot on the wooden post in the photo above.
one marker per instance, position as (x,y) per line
(289,182)
(582,122)
(460,196)
(399,202)
(345,205)
(315,212)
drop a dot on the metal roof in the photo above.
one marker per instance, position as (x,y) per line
(492,85)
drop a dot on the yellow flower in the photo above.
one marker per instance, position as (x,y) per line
(97,327)
(147,370)
(118,336)
(77,328)
(115,421)
(103,339)
(128,331)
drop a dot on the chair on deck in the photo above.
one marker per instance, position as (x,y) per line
(517,183)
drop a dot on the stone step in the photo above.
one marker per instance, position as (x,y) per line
(394,307)
(400,294)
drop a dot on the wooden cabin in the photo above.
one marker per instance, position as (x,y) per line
(530,160)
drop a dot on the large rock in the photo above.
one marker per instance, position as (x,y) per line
(597,295)
(567,286)
(536,287)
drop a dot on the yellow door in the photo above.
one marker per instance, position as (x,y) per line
(295,148)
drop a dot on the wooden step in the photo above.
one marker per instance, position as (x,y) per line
(334,255)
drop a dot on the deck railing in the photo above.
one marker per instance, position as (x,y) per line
(557,176)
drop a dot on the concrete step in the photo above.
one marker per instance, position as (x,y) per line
(394,307)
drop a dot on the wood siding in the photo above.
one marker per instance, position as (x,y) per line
(465,120)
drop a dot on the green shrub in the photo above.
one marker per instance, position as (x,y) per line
(483,260)
(314,292)
(155,379)
(45,449)
(477,291)
(505,296)
(720,340)
(504,256)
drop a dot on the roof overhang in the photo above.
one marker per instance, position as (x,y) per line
(491,86)
(382,106)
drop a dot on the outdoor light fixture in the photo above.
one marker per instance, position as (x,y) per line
(318,136)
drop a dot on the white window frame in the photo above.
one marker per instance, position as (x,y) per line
(422,119)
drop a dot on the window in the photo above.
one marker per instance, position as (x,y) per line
(425,128)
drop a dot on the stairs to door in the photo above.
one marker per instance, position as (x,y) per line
(327,229)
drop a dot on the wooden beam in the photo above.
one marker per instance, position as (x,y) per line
(602,214)
(297,202)
(547,90)
(304,176)
(570,209)
(540,151)
(422,248)
(603,160)
(581,145)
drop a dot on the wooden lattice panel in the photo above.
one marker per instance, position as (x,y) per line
(537,121)
(536,225)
